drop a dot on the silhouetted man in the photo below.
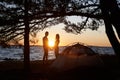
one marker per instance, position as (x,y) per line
(45,46)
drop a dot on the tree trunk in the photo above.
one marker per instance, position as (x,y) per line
(109,29)
(26,40)
(112,37)
(115,16)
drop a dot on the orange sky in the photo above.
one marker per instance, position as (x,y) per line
(88,37)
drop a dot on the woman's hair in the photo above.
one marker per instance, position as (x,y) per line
(57,36)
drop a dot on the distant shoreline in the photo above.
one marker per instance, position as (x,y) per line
(59,46)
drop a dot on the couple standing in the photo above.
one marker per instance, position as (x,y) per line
(46,47)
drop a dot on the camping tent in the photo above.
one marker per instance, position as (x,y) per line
(78,49)
(74,56)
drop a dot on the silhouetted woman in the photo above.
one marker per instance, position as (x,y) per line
(57,41)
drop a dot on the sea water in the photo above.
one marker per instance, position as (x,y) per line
(36,52)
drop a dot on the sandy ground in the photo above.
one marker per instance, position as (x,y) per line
(13,70)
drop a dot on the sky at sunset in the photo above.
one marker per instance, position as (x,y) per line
(88,37)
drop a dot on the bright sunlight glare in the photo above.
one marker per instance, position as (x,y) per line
(51,43)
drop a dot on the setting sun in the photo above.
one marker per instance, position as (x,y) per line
(51,43)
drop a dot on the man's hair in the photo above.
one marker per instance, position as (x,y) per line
(46,33)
